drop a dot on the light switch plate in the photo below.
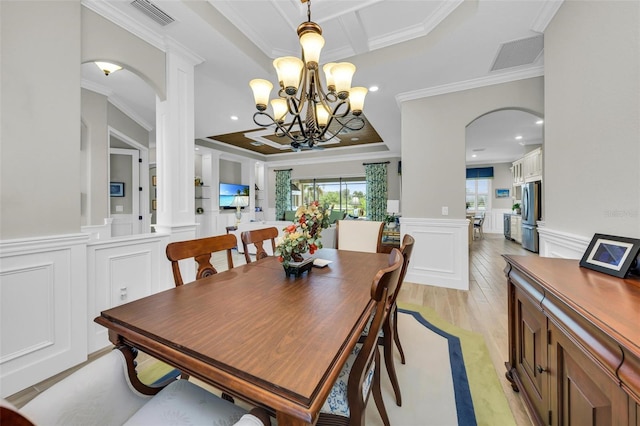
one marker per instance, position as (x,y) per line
(445,211)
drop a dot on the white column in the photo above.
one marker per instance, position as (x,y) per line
(175,125)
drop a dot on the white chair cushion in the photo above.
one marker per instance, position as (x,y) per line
(337,402)
(97,394)
(358,235)
(184,403)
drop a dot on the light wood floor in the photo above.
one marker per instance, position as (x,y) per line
(482,309)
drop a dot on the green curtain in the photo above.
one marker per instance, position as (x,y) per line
(283,192)
(376,178)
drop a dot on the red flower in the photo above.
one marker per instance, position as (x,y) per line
(291,229)
(312,248)
(303,219)
(280,259)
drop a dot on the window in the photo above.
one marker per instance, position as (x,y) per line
(478,199)
(346,194)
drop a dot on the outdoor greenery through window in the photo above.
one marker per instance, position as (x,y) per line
(345,194)
(478,191)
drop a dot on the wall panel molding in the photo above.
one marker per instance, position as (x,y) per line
(554,243)
(440,255)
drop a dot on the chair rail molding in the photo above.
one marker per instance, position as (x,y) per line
(441,255)
(554,243)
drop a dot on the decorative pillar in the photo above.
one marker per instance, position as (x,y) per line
(175,125)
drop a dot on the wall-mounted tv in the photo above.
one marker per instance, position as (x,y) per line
(229,190)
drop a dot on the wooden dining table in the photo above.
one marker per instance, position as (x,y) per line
(274,340)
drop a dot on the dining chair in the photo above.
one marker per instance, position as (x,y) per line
(201,250)
(478,221)
(102,393)
(359,235)
(390,327)
(360,376)
(257,237)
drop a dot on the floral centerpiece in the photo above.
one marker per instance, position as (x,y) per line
(304,234)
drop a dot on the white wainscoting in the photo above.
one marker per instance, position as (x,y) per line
(121,270)
(43,301)
(553,243)
(441,252)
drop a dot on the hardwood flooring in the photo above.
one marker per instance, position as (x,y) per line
(482,309)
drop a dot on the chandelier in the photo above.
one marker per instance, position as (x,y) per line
(304,110)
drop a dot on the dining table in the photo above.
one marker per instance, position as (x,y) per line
(272,339)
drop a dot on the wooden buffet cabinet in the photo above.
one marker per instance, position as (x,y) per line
(574,342)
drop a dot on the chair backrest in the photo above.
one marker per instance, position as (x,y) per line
(478,219)
(407,248)
(382,290)
(359,235)
(201,250)
(257,238)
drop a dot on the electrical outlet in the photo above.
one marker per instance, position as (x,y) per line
(119,208)
(445,211)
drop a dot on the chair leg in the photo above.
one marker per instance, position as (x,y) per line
(396,337)
(388,339)
(377,391)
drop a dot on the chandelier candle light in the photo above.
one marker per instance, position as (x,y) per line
(301,94)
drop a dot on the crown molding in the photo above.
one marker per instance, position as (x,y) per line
(107,11)
(548,11)
(297,161)
(95,87)
(504,77)
(116,102)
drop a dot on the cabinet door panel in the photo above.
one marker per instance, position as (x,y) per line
(582,394)
(531,352)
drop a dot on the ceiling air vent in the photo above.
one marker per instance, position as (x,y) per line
(152,11)
(518,52)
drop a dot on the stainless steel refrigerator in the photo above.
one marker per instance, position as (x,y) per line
(531,212)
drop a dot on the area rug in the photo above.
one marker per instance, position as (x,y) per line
(448,379)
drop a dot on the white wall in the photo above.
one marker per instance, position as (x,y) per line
(592,119)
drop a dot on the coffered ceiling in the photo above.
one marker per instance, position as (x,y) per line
(408,48)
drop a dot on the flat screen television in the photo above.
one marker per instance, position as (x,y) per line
(230,190)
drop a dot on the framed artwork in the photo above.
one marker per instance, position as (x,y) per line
(502,193)
(611,254)
(116,189)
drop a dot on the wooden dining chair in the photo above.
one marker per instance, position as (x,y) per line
(390,327)
(257,237)
(359,235)
(360,376)
(201,250)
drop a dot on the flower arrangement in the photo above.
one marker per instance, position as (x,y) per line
(304,234)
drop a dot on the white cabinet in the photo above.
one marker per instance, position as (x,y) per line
(532,169)
(518,172)
(516,228)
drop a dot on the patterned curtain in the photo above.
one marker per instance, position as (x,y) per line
(376,178)
(283,192)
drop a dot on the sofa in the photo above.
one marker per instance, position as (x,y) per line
(101,393)
(328,234)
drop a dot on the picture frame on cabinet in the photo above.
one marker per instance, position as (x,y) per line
(116,189)
(502,193)
(612,255)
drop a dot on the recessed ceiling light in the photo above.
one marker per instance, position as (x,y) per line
(521,143)
(539,121)
(518,137)
(373,88)
(474,156)
(234,117)
(355,139)
(197,149)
